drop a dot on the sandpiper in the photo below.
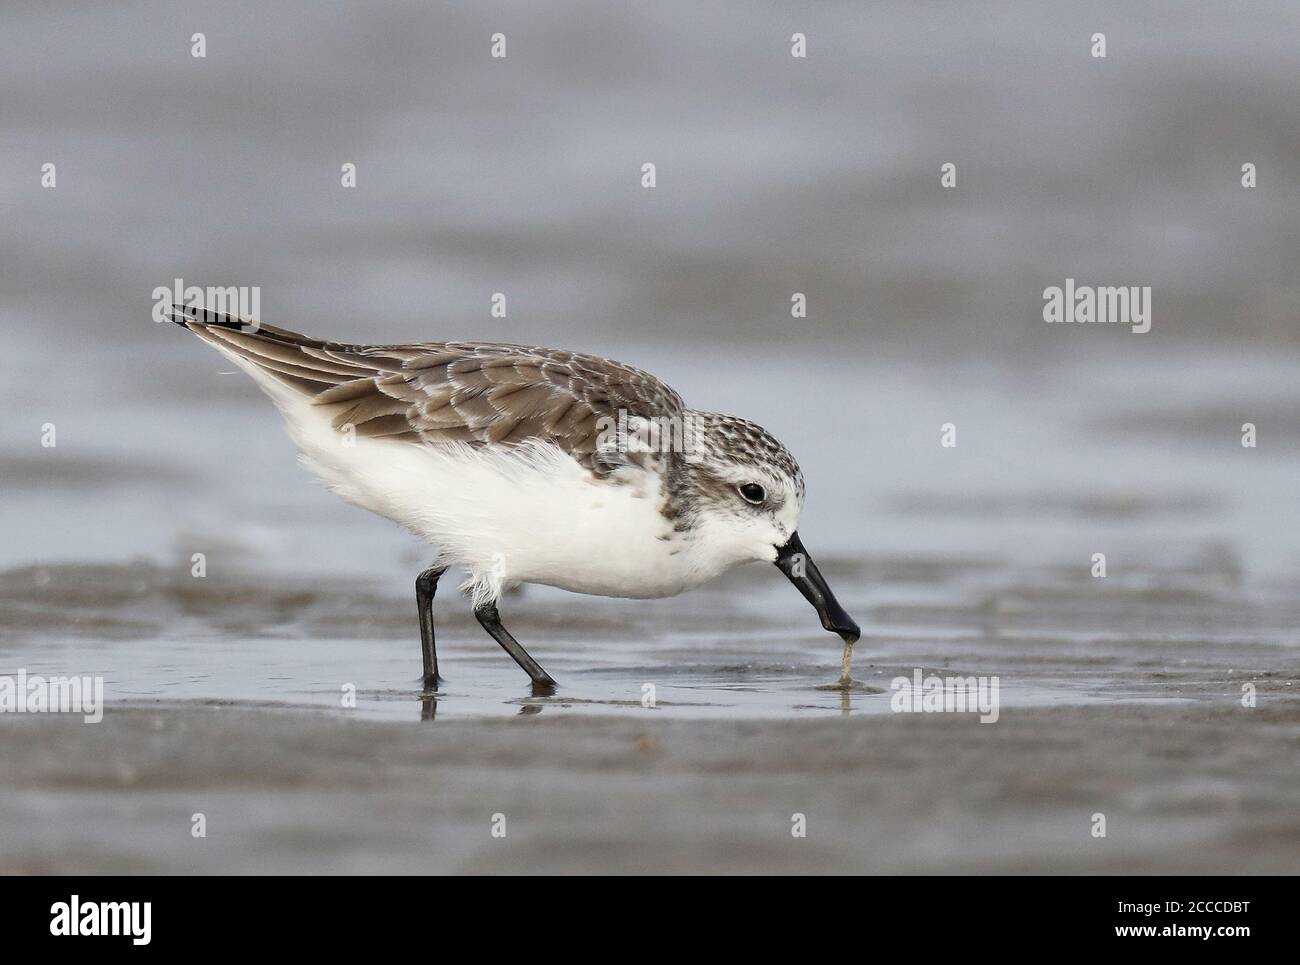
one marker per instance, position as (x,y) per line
(532,465)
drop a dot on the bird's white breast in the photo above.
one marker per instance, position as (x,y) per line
(508,514)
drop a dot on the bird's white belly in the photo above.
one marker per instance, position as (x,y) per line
(521,514)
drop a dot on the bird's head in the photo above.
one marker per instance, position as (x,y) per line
(740,492)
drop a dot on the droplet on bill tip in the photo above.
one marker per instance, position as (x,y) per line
(846,667)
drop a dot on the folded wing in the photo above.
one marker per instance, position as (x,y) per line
(450,392)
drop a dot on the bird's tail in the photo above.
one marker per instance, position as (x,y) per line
(309,366)
(197,319)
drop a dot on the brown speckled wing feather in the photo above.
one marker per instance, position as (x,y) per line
(444,392)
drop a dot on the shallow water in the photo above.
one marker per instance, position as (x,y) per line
(316,674)
(745,647)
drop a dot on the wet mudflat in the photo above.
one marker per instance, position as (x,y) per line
(225,698)
(229,693)
(1185,787)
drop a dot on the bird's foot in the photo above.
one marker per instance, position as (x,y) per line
(430,683)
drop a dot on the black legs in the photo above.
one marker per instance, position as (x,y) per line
(426,585)
(491,620)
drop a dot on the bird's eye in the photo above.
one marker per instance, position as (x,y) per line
(753,493)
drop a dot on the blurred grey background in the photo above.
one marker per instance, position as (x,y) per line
(775,175)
